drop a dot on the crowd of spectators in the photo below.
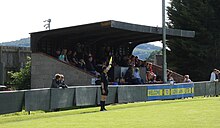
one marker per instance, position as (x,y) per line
(88,62)
(82,61)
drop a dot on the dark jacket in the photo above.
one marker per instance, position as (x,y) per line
(55,83)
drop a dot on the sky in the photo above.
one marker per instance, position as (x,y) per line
(21,17)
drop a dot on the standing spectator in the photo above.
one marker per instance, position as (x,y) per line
(218,75)
(186,79)
(213,75)
(62,83)
(56,81)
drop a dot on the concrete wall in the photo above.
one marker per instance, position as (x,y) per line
(12,59)
(43,69)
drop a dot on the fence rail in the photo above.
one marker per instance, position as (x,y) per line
(47,99)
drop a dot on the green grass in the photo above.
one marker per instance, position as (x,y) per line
(187,113)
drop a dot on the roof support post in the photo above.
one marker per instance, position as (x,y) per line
(164,43)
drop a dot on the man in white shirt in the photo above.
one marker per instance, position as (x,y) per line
(213,75)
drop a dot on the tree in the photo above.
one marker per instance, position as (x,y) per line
(22,79)
(200,55)
(153,54)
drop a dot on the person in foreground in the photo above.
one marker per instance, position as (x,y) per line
(104,83)
(58,81)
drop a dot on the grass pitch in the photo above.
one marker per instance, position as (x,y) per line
(187,113)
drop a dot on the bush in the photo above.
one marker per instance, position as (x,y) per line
(22,78)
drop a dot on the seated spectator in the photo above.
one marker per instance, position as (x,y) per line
(129,74)
(170,77)
(186,79)
(132,62)
(136,77)
(63,56)
(150,75)
(69,56)
(90,66)
(74,59)
(57,53)
(82,64)
(137,61)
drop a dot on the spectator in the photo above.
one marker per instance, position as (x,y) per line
(57,53)
(170,77)
(150,75)
(63,56)
(56,81)
(129,74)
(186,79)
(90,66)
(82,64)
(213,75)
(69,56)
(136,77)
(62,83)
(132,62)
(136,61)
(218,75)
(74,58)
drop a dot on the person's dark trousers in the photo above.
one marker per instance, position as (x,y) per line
(102,104)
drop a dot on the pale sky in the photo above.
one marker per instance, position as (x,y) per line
(21,17)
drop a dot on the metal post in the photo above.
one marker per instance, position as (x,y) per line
(164,43)
(49,20)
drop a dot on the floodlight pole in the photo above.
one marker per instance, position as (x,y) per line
(164,43)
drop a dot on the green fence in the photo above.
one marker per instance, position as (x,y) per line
(50,99)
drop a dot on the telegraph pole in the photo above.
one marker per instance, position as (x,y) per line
(164,43)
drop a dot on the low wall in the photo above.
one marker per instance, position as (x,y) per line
(132,93)
(49,99)
(11,101)
(206,88)
(37,99)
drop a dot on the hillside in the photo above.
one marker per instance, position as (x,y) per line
(24,42)
(143,51)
